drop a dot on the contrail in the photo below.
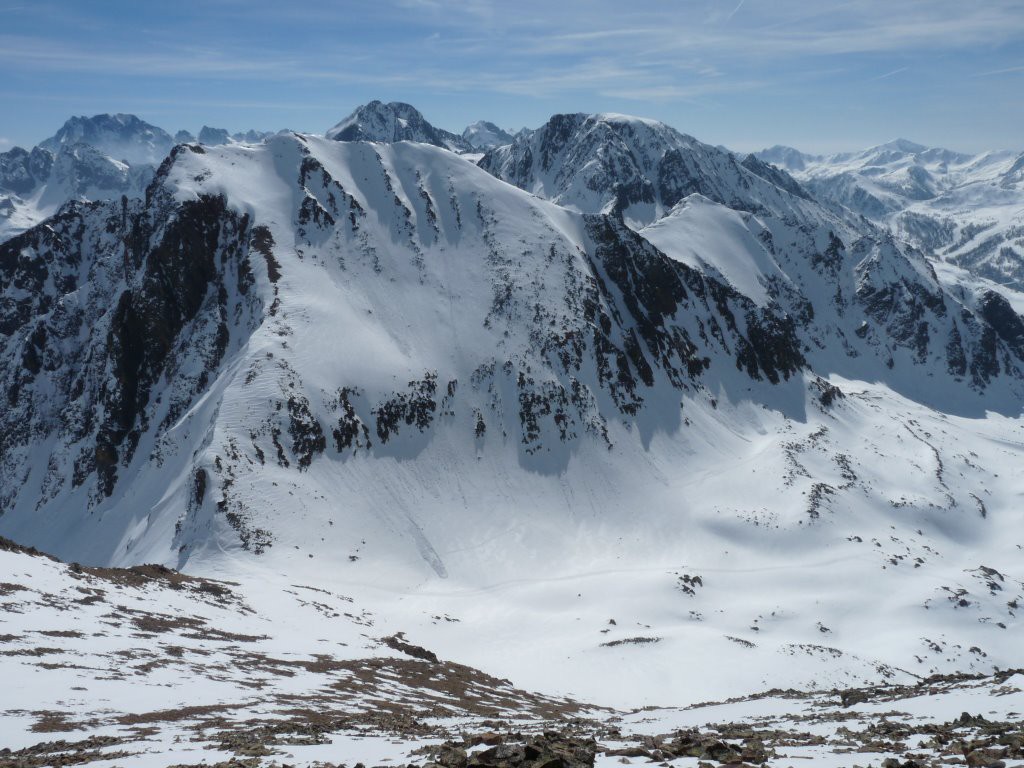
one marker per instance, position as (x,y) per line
(734,10)
(889,74)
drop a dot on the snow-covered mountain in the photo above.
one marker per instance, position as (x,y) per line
(678,432)
(103,157)
(22,172)
(966,209)
(34,185)
(122,137)
(213,136)
(752,225)
(216,136)
(81,163)
(394,121)
(371,216)
(629,166)
(485,135)
(382,362)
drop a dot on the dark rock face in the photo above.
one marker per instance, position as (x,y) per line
(1006,323)
(910,311)
(307,435)
(678,177)
(414,408)
(25,270)
(21,171)
(901,307)
(655,289)
(147,321)
(776,176)
(156,290)
(931,233)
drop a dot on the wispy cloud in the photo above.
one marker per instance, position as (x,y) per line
(37,53)
(783,27)
(251,53)
(673,93)
(569,28)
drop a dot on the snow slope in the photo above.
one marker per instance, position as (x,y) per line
(150,667)
(714,238)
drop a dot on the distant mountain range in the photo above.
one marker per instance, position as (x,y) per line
(103,157)
(107,156)
(967,210)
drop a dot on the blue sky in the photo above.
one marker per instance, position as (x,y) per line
(820,76)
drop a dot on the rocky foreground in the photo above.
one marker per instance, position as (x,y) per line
(151,667)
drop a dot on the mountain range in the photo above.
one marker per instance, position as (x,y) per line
(618,415)
(965,210)
(103,157)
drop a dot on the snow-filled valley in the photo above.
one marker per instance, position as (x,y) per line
(581,437)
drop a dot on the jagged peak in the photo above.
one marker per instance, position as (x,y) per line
(373,109)
(84,125)
(391,122)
